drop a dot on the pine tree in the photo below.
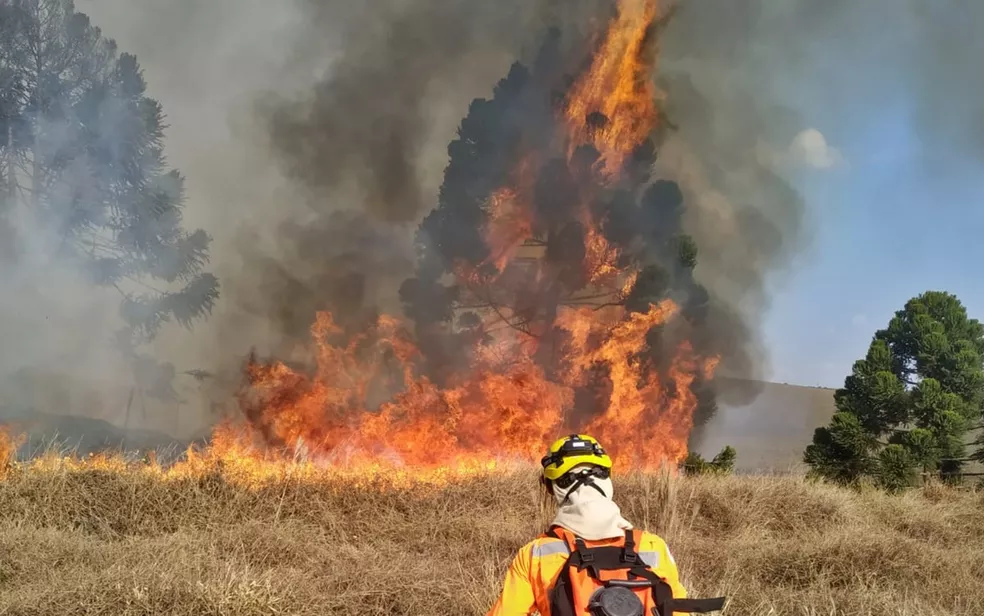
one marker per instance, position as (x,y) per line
(909,406)
(82,152)
(640,215)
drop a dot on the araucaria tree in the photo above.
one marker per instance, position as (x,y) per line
(910,405)
(82,158)
(509,186)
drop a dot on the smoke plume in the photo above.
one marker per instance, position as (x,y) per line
(370,131)
(283,114)
(367,143)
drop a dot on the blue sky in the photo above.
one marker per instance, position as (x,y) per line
(885,228)
(894,86)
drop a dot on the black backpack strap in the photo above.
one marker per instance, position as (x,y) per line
(666,604)
(585,556)
(629,554)
(700,606)
(562,593)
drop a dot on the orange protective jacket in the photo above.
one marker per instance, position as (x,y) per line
(538,564)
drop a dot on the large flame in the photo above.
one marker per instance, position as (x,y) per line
(618,90)
(503,407)
(367,402)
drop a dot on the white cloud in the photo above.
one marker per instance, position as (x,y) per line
(859,319)
(810,148)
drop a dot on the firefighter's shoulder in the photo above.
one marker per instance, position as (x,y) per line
(654,551)
(545,545)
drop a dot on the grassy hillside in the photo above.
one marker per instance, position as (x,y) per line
(106,538)
(84,435)
(770,424)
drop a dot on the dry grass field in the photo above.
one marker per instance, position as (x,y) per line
(103,537)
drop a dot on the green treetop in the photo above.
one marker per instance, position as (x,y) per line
(910,404)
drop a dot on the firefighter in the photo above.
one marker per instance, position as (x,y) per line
(591,561)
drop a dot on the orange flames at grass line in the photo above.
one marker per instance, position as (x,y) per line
(231,457)
(503,407)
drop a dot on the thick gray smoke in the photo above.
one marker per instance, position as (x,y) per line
(284,114)
(313,135)
(742,209)
(760,88)
(404,70)
(407,71)
(366,143)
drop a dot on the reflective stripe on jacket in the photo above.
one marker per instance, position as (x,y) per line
(538,565)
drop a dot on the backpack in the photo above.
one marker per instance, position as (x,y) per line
(612,580)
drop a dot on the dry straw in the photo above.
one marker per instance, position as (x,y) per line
(113,538)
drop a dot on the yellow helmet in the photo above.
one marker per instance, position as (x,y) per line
(570,451)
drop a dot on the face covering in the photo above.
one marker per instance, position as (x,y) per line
(587,512)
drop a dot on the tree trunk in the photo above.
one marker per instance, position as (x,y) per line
(129,405)
(8,197)
(10,178)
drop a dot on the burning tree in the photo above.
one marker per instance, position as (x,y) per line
(554,287)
